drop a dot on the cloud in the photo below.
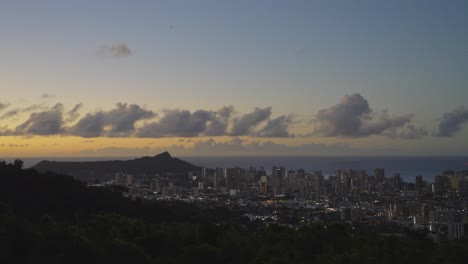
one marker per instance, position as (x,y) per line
(9,114)
(352,117)
(44,123)
(451,122)
(16,111)
(123,118)
(92,125)
(183,123)
(34,107)
(219,122)
(410,132)
(47,96)
(118,122)
(3,106)
(122,122)
(4,131)
(115,51)
(210,146)
(246,124)
(278,127)
(73,114)
(344,118)
(383,122)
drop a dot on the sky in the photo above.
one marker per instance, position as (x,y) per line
(121,78)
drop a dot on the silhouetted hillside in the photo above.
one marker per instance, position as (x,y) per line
(162,163)
(51,218)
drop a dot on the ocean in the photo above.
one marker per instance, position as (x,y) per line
(408,167)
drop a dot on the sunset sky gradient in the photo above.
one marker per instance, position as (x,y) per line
(131,78)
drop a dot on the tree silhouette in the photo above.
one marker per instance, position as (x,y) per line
(18,163)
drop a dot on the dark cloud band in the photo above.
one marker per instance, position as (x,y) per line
(451,122)
(353,117)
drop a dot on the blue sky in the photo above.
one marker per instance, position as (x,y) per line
(408,57)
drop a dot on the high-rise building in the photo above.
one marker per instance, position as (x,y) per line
(252,175)
(331,184)
(301,173)
(454,181)
(201,186)
(397,180)
(346,183)
(338,174)
(259,173)
(379,174)
(303,185)
(419,184)
(233,179)
(292,180)
(218,178)
(277,180)
(441,184)
(203,174)
(264,184)
(318,184)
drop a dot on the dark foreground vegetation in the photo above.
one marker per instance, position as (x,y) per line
(51,218)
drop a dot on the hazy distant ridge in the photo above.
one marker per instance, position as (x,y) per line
(161,163)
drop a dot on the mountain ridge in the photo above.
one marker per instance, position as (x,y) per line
(160,163)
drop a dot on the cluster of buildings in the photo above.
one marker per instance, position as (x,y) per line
(301,185)
(295,196)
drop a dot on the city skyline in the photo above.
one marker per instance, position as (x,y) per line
(224,78)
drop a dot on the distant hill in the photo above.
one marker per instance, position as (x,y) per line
(161,163)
